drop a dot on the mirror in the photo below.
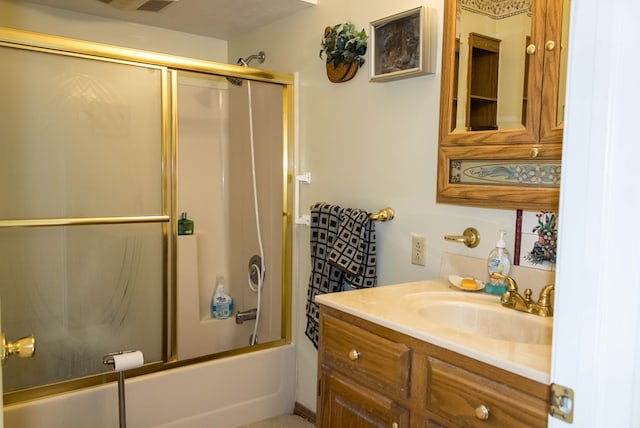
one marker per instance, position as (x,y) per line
(490,83)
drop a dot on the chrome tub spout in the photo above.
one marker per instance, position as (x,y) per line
(247,315)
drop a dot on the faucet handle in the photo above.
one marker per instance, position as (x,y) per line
(546,293)
(527,295)
(510,282)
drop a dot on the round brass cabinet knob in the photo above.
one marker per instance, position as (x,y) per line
(533,153)
(531,49)
(482,412)
(550,45)
(354,355)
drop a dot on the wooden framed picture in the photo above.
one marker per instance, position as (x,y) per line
(400,46)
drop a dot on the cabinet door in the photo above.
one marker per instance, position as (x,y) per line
(346,404)
(555,46)
(503,38)
(531,65)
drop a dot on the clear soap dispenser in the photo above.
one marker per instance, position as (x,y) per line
(499,261)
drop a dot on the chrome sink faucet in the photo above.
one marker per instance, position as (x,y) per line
(512,299)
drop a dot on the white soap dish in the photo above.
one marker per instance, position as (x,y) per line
(456,281)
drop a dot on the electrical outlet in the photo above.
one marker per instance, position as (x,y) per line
(418,249)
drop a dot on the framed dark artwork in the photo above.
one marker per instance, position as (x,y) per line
(399,46)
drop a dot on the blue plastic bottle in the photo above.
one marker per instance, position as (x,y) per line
(221,303)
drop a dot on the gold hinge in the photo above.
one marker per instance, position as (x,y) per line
(561,403)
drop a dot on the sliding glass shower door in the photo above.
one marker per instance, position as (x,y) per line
(83,211)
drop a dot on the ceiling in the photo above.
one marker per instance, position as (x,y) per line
(220,19)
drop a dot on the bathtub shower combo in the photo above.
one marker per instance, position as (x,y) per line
(102,148)
(243,167)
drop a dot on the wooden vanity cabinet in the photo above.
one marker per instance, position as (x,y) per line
(481,163)
(371,376)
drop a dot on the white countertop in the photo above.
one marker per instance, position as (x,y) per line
(395,307)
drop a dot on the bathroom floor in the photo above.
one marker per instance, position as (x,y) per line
(284,421)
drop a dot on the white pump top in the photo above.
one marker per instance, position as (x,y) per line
(501,243)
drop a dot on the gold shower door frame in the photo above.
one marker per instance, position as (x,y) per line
(168,66)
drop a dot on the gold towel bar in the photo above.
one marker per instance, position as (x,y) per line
(385,214)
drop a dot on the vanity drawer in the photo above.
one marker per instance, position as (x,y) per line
(372,359)
(457,395)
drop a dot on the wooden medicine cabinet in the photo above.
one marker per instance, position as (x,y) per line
(502,104)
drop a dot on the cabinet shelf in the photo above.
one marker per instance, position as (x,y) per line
(483,98)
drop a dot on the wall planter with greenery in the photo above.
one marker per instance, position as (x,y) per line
(344,49)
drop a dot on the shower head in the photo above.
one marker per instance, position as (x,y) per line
(260,56)
(235,81)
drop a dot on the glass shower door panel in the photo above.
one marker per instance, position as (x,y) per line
(78,137)
(84,291)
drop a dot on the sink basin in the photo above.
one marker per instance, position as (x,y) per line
(482,317)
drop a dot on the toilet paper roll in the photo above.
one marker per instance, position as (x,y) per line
(128,360)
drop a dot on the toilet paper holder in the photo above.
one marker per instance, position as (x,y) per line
(112,359)
(108,359)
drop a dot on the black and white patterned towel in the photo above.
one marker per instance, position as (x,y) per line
(343,255)
(354,249)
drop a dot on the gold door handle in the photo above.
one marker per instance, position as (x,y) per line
(470,237)
(354,355)
(24,347)
(531,49)
(550,45)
